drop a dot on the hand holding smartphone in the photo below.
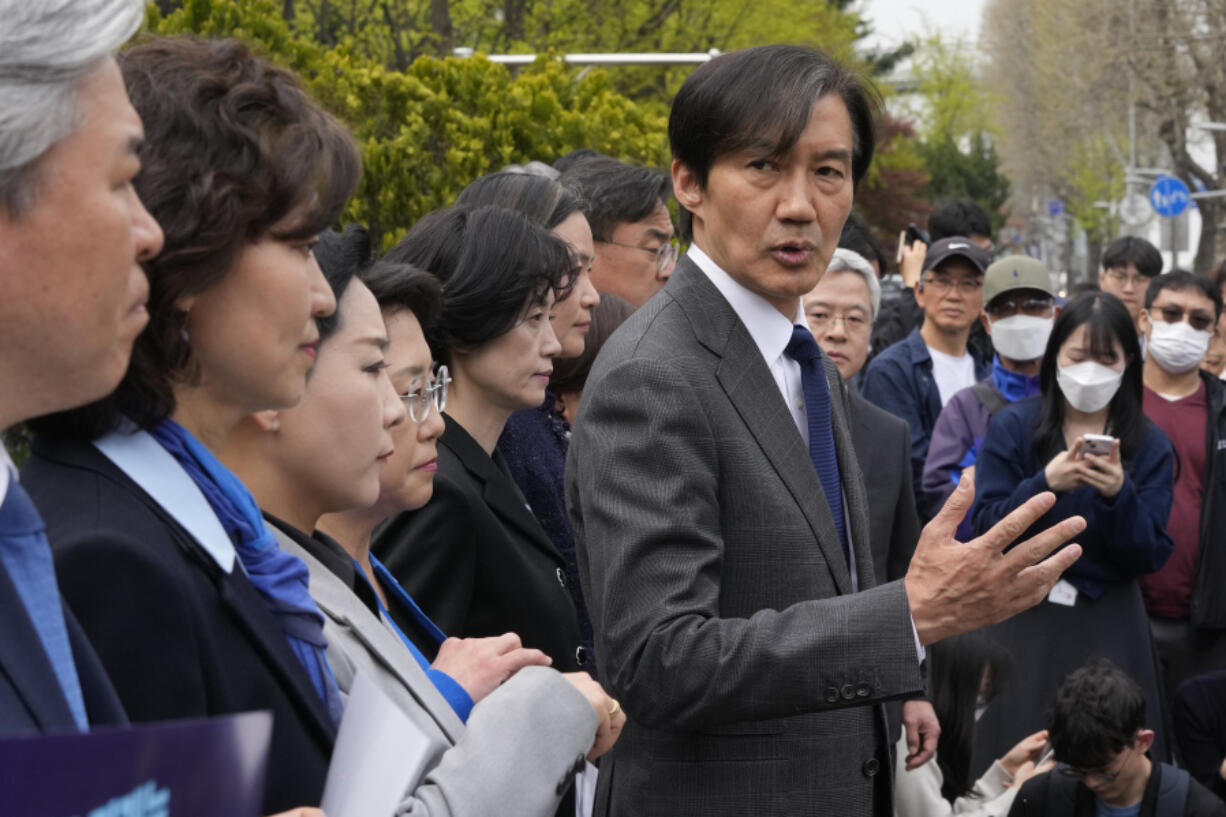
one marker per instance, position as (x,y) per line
(1099,445)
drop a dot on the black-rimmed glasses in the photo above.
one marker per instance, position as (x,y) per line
(425,392)
(1104,777)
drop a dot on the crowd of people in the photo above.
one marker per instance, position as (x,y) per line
(757,528)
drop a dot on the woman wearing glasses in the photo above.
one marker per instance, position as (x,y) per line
(1087,440)
(351,449)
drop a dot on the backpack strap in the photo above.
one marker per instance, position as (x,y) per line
(1172,791)
(992,399)
(1061,795)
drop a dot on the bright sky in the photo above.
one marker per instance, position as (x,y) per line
(894,20)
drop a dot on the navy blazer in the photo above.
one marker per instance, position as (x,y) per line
(179,638)
(477,561)
(31,700)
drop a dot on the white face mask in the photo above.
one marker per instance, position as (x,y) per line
(1021,337)
(1177,347)
(1088,386)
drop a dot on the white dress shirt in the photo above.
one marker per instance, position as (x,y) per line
(8,471)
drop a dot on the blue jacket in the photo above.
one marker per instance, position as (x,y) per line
(900,381)
(1125,536)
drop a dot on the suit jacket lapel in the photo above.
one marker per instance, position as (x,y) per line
(498,489)
(745,378)
(24,660)
(854,490)
(342,605)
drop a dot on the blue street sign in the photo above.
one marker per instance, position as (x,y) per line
(1169,196)
(1055,208)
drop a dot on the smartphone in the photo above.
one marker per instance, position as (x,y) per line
(1098,444)
(908,237)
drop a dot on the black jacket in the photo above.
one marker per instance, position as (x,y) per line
(179,638)
(477,561)
(1208,600)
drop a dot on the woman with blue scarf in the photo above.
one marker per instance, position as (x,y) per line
(159,548)
(354,449)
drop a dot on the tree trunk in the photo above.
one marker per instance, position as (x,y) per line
(1094,253)
(1207,251)
(287,10)
(440,21)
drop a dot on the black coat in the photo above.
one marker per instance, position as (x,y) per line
(31,701)
(179,638)
(1208,600)
(1033,800)
(883,447)
(477,561)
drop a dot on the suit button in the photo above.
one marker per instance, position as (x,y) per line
(863,690)
(832,695)
(581,655)
(561,577)
(871,767)
(849,692)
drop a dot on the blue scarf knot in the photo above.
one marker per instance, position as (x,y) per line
(281,578)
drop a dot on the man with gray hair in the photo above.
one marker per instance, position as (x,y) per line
(72,301)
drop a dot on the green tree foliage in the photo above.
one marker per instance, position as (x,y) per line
(956,142)
(426,132)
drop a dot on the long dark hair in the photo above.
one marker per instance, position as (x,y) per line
(956,669)
(1106,320)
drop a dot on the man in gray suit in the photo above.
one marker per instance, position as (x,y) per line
(721,574)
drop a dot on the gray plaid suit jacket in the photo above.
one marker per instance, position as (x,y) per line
(721,600)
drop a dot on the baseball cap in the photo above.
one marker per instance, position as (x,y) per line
(956,246)
(1016,272)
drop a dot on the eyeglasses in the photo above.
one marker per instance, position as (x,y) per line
(854,323)
(422,394)
(1200,321)
(1007,308)
(1104,777)
(666,254)
(966,286)
(1135,279)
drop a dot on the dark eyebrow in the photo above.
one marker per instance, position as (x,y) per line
(839,154)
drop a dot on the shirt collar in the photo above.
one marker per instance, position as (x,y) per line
(8,471)
(770,331)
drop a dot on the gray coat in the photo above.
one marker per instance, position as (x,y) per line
(721,600)
(521,746)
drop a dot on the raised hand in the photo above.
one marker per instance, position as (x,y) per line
(480,665)
(954,587)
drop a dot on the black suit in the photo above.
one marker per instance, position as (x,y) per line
(476,559)
(179,637)
(31,700)
(883,447)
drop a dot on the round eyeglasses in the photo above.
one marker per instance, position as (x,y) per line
(425,392)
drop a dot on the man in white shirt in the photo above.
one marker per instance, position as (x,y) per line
(72,301)
(719,511)
(916,377)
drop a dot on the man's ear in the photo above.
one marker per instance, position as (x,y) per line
(269,420)
(686,188)
(983,318)
(1144,740)
(1143,323)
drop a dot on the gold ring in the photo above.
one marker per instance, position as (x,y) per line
(615,707)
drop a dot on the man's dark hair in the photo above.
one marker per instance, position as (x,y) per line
(1095,715)
(403,286)
(612,192)
(234,151)
(1177,280)
(959,217)
(1082,287)
(1129,249)
(341,256)
(493,265)
(857,237)
(762,97)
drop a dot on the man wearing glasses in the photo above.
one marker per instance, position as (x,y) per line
(1097,730)
(1019,310)
(1187,612)
(626,207)
(916,377)
(1129,264)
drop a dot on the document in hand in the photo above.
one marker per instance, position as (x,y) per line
(379,752)
(197,768)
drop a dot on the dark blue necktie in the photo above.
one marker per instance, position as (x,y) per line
(26,556)
(803,349)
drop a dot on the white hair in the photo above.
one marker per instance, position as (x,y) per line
(845,260)
(46,48)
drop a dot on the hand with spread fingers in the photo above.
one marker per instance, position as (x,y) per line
(608,710)
(955,587)
(480,665)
